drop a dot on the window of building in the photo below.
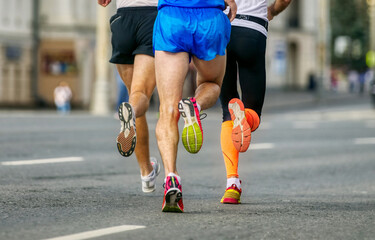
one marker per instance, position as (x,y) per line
(294,20)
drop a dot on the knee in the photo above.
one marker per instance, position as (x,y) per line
(213,82)
(139,93)
(169,113)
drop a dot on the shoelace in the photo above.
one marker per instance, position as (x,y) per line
(202,116)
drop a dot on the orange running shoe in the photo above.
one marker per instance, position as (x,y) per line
(241,133)
(127,138)
(232,195)
(172,201)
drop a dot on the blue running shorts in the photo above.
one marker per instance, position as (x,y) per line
(202,32)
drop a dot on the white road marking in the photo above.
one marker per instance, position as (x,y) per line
(364,141)
(98,233)
(258,146)
(43,161)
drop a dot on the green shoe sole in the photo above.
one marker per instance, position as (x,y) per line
(192,138)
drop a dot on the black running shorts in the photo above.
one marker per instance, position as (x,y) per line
(131,29)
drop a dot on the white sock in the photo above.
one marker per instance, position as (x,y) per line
(174,175)
(150,175)
(231,181)
(199,107)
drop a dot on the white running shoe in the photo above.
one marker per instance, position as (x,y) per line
(148,182)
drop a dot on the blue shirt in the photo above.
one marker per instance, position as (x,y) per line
(192,3)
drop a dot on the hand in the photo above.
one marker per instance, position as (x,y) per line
(104,3)
(232,9)
(277,7)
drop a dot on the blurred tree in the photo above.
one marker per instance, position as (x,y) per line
(350,19)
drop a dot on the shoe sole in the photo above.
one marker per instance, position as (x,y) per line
(148,190)
(172,197)
(241,133)
(127,138)
(192,136)
(230,201)
(231,197)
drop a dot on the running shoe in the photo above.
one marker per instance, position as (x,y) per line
(148,182)
(192,134)
(127,138)
(241,133)
(232,195)
(172,201)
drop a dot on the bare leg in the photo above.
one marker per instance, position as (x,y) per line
(170,81)
(143,83)
(209,80)
(140,81)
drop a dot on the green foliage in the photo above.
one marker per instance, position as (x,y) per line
(350,18)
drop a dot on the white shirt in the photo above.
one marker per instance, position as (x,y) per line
(256,8)
(63,94)
(136,3)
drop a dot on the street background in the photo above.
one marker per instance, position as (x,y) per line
(323,46)
(309,173)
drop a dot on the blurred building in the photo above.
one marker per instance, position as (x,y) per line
(15,51)
(67,48)
(292,46)
(66,31)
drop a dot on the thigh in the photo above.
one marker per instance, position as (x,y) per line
(143,79)
(126,74)
(212,71)
(171,70)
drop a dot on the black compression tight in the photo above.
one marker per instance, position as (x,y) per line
(246,50)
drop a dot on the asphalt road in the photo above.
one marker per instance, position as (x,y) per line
(309,174)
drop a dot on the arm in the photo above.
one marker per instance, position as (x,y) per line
(104,3)
(277,7)
(233,9)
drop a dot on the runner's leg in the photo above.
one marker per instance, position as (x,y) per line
(250,46)
(209,80)
(229,87)
(169,81)
(140,81)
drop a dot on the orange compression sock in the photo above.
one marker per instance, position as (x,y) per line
(252,118)
(230,153)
